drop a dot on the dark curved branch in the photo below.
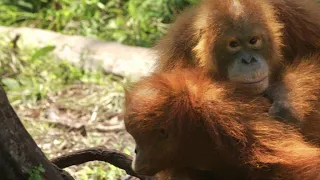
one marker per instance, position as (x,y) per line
(113,157)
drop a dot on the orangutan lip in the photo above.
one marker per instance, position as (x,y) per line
(256,81)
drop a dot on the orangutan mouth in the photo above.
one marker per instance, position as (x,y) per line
(256,82)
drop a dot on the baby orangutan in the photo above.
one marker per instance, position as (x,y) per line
(181,119)
(245,42)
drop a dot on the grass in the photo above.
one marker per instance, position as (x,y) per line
(133,22)
(54,98)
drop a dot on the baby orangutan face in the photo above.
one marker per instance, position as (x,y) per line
(160,124)
(159,148)
(236,44)
(152,152)
(145,121)
(242,57)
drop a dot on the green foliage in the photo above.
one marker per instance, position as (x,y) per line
(99,172)
(31,73)
(42,52)
(134,22)
(34,81)
(149,18)
(35,173)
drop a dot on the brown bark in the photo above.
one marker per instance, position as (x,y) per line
(18,151)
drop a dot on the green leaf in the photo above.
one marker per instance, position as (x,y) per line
(35,172)
(42,52)
(10,83)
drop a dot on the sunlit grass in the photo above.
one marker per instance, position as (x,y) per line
(37,83)
(133,22)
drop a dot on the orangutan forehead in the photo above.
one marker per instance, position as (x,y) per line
(236,8)
(224,11)
(147,92)
(144,120)
(143,95)
(245,11)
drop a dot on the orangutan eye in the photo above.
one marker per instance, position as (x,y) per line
(233,44)
(254,40)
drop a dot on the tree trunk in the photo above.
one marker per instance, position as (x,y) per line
(18,151)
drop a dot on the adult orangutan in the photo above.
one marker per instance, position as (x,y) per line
(244,42)
(183,122)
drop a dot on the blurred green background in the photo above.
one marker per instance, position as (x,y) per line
(134,22)
(39,87)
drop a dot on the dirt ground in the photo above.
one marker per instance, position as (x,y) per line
(78,117)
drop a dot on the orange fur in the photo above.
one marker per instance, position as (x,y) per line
(222,131)
(301,20)
(304,95)
(239,138)
(189,42)
(199,38)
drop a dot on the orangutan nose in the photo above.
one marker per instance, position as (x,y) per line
(248,60)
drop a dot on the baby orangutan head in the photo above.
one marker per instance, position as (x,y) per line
(160,115)
(238,41)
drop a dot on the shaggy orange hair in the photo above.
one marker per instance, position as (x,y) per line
(234,127)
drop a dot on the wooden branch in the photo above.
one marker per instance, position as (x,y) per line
(113,157)
(64,174)
(18,151)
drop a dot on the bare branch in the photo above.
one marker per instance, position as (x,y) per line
(113,157)
(64,174)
